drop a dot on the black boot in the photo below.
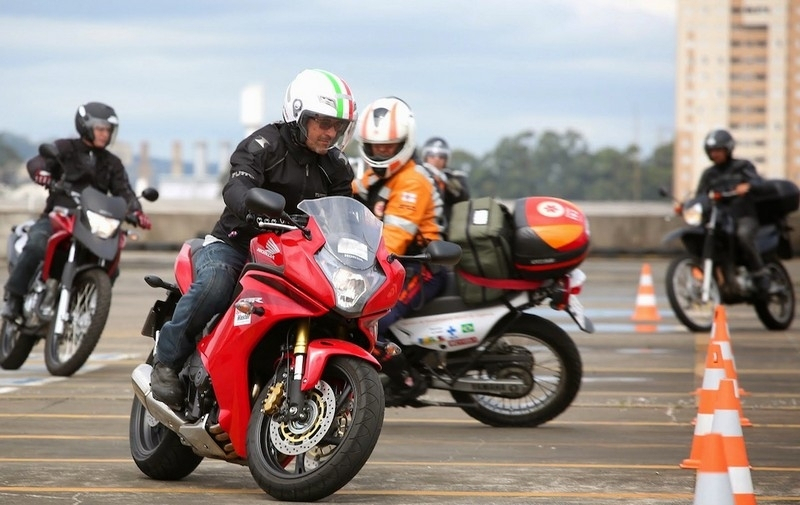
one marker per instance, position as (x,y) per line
(762,282)
(166,386)
(12,309)
(405,383)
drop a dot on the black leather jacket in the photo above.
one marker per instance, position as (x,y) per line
(84,166)
(269,158)
(725,177)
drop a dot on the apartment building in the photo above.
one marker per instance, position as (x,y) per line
(738,67)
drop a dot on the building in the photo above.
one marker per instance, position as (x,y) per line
(738,67)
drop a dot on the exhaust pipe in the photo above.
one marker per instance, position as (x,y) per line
(194,434)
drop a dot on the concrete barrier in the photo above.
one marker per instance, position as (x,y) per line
(616,227)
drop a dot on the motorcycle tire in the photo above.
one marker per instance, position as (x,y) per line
(554,380)
(90,303)
(157,450)
(14,346)
(309,460)
(684,292)
(776,312)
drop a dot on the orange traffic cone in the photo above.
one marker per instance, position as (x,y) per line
(713,485)
(726,423)
(721,335)
(646,310)
(714,372)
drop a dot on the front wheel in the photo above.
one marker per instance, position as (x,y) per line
(89,304)
(311,458)
(542,356)
(776,311)
(14,346)
(684,279)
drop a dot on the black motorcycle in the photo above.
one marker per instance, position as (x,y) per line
(713,272)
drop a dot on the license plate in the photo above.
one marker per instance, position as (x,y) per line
(575,309)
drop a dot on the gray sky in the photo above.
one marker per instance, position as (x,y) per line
(472,71)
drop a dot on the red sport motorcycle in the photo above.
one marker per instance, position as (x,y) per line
(284,380)
(69,297)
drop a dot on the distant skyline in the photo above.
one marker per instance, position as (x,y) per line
(473,72)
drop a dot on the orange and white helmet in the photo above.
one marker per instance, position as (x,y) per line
(387,120)
(321,94)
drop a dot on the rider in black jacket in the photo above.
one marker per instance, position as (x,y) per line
(84,162)
(300,158)
(731,174)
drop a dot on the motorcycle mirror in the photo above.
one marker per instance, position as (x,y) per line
(150,194)
(442,252)
(265,202)
(48,151)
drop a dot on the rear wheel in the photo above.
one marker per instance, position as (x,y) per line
(90,302)
(309,459)
(684,281)
(776,311)
(539,354)
(157,450)
(14,346)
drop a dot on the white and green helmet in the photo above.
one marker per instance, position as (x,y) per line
(318,93)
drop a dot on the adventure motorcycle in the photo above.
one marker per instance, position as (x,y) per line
(69,297)
(284,380)
(502,364)
(713,272)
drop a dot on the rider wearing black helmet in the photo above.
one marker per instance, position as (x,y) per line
(729,173)
(83,162)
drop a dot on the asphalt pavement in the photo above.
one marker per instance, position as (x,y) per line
(64,440)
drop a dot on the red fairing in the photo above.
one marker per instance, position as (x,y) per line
(62,232)
(300,292)
(320,350)
(184,271)
(386,296)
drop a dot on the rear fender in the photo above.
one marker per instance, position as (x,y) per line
(319,351)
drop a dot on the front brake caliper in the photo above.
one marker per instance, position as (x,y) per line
(273,400)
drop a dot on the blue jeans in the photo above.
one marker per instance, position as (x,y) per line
(217,267)
(30,257)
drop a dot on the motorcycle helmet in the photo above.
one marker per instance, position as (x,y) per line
(387,120)
(719,139)
(94,114)
(436,146)
(317,93)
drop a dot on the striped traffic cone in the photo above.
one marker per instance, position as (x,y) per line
(646,310)
(721,335)
(713,485)
(714,372)
(726,423)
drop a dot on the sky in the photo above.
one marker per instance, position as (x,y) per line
(473,72)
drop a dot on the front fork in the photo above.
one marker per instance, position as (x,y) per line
(708,255)
(67,277)
(295,395)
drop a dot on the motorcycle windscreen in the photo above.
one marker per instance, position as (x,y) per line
(109,207)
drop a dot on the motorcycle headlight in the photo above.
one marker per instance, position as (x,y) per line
(352,288)
(693,215)
(102,226)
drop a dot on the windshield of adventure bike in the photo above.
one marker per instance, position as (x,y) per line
(352,234)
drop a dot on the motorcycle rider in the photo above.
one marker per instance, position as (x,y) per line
(729,173)
(299,157)
(452,183)
(404,196)
(85,161)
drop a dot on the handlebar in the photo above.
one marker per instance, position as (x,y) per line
(721,195)
(267,223)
